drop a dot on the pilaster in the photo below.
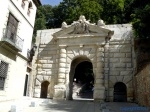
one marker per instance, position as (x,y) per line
(99,89)
(59,89)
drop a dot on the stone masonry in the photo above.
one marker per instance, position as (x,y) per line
(108,47)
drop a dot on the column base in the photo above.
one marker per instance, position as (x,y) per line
(99,94)
(59,92)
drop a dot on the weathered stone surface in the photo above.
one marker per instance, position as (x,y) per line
(119,55)
(126,73)
(124,60)
(69,49)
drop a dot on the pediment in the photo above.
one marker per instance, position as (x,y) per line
(82,27)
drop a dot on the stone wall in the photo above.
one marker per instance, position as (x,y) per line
(112,61)
(141,78)
(45,64)
(119,60)
(142,84)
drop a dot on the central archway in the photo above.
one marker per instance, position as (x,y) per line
(81,78)
(83,81)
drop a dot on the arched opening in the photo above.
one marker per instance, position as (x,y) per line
(120,92)
(44,89)
(83,81)
(23,4)
(29,8)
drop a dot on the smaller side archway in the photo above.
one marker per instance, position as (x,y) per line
(120,92)
(44,89)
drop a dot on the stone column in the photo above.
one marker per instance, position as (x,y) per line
(59,89)
(99,89)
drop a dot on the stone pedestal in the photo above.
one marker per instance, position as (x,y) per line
(99,93)
(59,92)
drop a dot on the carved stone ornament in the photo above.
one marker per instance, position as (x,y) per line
(80,27)
(100,23)
(64,25)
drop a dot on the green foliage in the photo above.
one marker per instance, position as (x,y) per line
(136,12)
(141,18)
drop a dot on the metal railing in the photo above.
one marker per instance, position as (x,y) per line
(12,39)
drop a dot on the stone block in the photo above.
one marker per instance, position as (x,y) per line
(62,56)
(91,56)
(128,55)
(16,108)
(59,91)
(125,60)
(50,61)
(42,61)
(69,52)
(113,79)
(34,104)
(39,77)
(47,66)
(51,52)
(128,65)
(119,55)
(99,93)
(125,50)
(119,78)
(126,73)
(127,79)
(114,50)
(46,78)
(62,70)
(37,83)
(76,52)
(71,56)
(81,52)
(114,72)
(119,65)
(114,60)
(62,76)
(62,65)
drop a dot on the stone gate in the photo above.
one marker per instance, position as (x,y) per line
(108,47)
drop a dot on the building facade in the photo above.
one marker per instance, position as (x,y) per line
(108,48)
(16,29)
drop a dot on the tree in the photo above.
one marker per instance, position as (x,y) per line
(141,18)
(70,10)
(42,18)
(113,11)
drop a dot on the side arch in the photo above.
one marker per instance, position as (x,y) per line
(44,89)
(120,92)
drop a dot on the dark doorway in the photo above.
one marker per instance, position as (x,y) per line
(44,89)
(83,81)
(25,86)
(120,92)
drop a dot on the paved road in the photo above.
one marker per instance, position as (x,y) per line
(66,106)
(78,105)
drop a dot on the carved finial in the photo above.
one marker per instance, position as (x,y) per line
(64,25)
(100,23)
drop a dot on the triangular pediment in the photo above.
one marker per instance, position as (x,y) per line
(82,28)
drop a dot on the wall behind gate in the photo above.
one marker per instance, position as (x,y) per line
(119,60)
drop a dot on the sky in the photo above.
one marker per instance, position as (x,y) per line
(51,2)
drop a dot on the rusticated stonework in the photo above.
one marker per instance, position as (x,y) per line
(108,47)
